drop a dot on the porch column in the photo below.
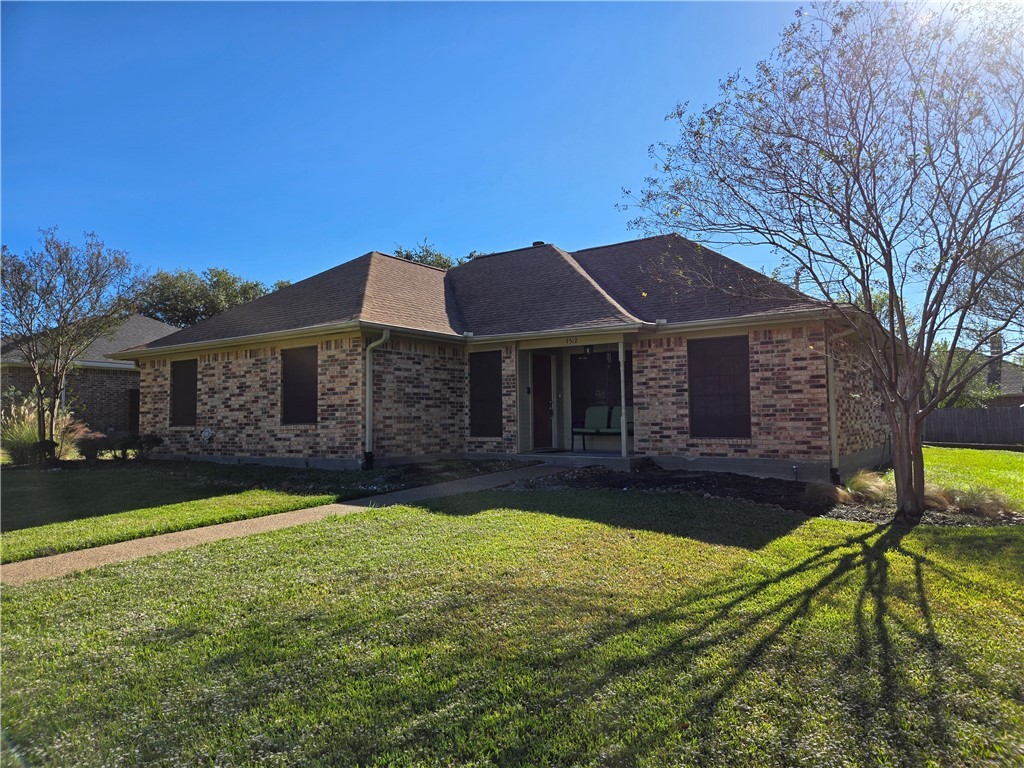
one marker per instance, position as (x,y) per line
(623,437)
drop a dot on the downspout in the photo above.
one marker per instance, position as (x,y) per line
(830,389)
(368,445)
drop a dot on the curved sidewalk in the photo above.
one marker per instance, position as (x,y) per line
(56,566)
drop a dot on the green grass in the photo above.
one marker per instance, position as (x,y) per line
(51,511)
(591,628)
(1002,471)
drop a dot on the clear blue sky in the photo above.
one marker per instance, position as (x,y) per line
(278,140)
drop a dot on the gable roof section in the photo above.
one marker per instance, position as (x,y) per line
(668,277)
(531,290)
(372,288)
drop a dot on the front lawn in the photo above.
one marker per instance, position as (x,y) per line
(49,511)
(532,628)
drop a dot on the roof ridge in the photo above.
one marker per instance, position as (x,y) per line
(596,285)
(406,261)
(366,286)
(481,256)
(634,240)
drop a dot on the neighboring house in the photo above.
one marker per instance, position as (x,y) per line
(522,352)
(102,392)
(1009,378)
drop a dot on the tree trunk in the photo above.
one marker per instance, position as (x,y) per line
(908,466)
(51,453)
(40,414)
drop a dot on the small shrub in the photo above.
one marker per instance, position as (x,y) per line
(67,430)
(147,443)
(984,502)
(91,445)
(869,486)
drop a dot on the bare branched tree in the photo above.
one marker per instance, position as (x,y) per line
(56,302)
(880,152)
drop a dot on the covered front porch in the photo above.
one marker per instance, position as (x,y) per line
(576,400)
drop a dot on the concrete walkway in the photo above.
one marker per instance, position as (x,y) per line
(56,566)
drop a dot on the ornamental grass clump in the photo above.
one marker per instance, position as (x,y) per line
(983,502)
(871,487)
(19,433)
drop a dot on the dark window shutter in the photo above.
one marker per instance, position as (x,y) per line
(184,387)
(719,379)
(299,385)
(485,394)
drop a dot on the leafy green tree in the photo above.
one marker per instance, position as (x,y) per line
(57,301)
(974,392)
(879,151)
(183,297)
(426,253)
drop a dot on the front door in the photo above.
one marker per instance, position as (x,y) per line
(543,401)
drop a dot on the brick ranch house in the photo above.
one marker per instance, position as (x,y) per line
(102,392)
(532,351)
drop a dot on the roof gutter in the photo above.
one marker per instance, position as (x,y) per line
(138,353)
(368,443)
(581,332)
(744,321)
(356,325)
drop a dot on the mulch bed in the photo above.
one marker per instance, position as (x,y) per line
(787,494)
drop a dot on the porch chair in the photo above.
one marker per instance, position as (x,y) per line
(615,426)
(595,420)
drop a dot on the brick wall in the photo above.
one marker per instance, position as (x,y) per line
(239,401)
(419,403)
(19,377)
(788,398)
(861,423)
(99,397)
(509,440)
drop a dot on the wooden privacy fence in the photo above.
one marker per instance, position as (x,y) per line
(975,426)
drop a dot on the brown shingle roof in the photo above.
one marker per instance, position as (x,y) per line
(532,289)
(529,290)
(373,288)
(134,331)
(671,278)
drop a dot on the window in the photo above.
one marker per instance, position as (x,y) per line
(298,385)
(719,373)
(485,394)
(184,386)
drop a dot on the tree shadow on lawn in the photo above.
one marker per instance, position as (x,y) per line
(721,522)
(836,652)
(33,497)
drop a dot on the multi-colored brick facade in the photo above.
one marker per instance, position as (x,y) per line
(861,424)
(508,442)
(788,398)
(419,404)
(238,409)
